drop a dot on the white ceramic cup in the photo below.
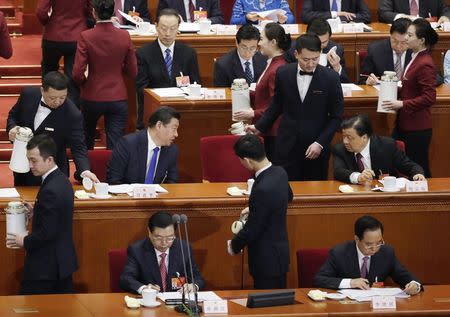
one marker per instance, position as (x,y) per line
(195,90)
(101,189)
(149,296)
(237,128)
(390,183)
(143,27)
(204,26)
(250,183)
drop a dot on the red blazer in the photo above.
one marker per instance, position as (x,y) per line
(5,40)
(108,52)
(265,88)
(418,93)
(67,21)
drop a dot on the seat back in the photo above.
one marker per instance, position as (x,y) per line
(116,261)
(309,262)
(360,57)
(98,160)
(219,163)
(298,10)
(227,8)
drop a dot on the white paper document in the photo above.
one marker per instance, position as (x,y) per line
(366,295)
(400,182)
(169,92)
(271,14)
(202,296)
(353,87)
(9,193)
(189,27)
(128,188)
(127,17)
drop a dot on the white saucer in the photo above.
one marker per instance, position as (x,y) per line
(210,32)
(100,196)
(155,304)
(390,190)
(335,296)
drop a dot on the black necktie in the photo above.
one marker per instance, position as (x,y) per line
(43,104)
(302,73)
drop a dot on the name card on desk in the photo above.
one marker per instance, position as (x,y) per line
(416,186)
(384,302)
(226,29)
(446,26)
(353,28)
(215,307)
(215,94)
(144,192)
(291,28)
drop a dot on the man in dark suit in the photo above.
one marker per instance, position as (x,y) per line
(364,156)
(48,110)
(212,8)
(346,10)
(147,156)
(160,62)
(5,40)
(138,6)
(309,98)
(158,258)
(265,232)
(234,64)
(359,263)
(333,53)
(390,10)
(50,256)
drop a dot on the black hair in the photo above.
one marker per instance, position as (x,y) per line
(103,8)
(400,25)
(163,114)
(168,12)
(426,32)
(274,31)
(55,80)
(250,146)
(319,27)
(361,124)
(160,219)
(247,32)
(45,144)
(367,223)
(309,41)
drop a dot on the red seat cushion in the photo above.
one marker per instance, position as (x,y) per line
(309,262)
(117,259)
(99,159)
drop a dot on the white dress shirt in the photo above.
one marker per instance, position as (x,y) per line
(186,9)
(394,54)
(48,173)
(365,160)
(158,258)
(243,61)
(339,7)
(262,169)
(151,147)
(163,49)
(345,283)
(303,83)
(41,114)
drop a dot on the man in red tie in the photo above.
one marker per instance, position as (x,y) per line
(138,9)
(365,260)
(186,8)
(156,262)
(390,10)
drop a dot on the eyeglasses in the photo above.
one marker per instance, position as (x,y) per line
(165,239)
(373,246)
(248,49)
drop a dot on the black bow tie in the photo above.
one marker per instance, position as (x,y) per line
(302,73)
(43,104)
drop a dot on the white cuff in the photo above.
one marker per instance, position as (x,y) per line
(141,288)
(345,283)
(84,172)
(354,177)
(321,147)
(334,14)
(419,286)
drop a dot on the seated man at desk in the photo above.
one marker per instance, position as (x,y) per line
(160,62)
(346,10)
(367,259)
(147,156)
(333,53)
(244,61)
(187,8)
(138,9)
(390,10)
(156,262)
(363,156)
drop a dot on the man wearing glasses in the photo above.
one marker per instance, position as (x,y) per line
(156,262)
(359,263)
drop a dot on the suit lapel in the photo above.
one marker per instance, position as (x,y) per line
(156,52)
(354,263)
(161,167)
(375,156)
(174,255)
(350,158)
(177,61)
(142,152)
(237,67)
(33,110)
(293,83)
(150,258)
(313,86)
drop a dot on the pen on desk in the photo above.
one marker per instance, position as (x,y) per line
(376,279)
(165,176)
(429,15)
(181,74)
(134,9)
(367,75)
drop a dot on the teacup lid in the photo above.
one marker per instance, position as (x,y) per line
(87,183)
(24,134)
(15,207)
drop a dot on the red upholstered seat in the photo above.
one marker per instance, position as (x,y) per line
(116,259)
(309,262)
(227,8)
(99,159)
(219,163)
(298,10)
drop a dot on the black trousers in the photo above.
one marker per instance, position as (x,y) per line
(115,114)
(64,286)
(277,282)
(52,52)
(417,145)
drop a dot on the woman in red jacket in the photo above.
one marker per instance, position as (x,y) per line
(417,95)
(274,42)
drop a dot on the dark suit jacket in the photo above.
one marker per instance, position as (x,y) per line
(64,125)
(418,93)
(384,156)
(109,52)
(229,67)
(388,9)
(67,21)
(50,251)
(290,58)
(128,163)
(5,41)
(313,9)
(316,119)
(380,58)
(342,262)
(140,6)
(265,232)
(210,6)
(142,266)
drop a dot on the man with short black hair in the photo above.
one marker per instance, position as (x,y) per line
(367,259)
(265,232)
(186,9)
(157,263)
(147,156)
(363,156)
(48,111)
(309,98)
(390,10)
(346,10)
(50,256)
(244,61)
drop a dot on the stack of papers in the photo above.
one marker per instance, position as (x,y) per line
(169,92)
(353,87)
(9,193)
(202,296)
(128,188)
(367,295)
